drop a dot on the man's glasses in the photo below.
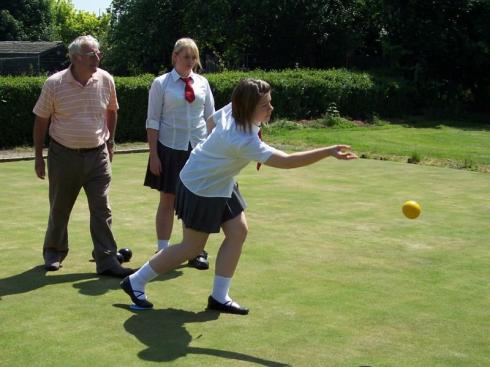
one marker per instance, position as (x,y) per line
(93,54)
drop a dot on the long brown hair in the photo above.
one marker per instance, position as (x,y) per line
(244,100)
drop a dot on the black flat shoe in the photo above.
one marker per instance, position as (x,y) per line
(141,303)
(200,262)
(228,307)
(52,266)
(52,260)
(117,272)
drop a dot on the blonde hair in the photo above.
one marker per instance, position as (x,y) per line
(187,43)
(244,100)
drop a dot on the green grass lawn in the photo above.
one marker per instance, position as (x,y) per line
(333,273)
(449,143)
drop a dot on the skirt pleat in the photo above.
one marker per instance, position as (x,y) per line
(172,161)
(206,214)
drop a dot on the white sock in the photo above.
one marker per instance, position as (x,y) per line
(220,289)
(139,279)
(163,244)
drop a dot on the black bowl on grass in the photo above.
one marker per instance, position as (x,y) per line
(126,253)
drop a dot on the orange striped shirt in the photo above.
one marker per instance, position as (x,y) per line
(78,113)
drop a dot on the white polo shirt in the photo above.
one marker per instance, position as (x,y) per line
(178,121)
(214,163)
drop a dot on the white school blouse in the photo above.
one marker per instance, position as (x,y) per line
(178,121)
(213,164)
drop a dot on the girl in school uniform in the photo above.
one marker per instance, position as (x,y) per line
(207,197)
(179,104)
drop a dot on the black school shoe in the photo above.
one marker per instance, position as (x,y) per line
(200,262)
(228,307)
(141,303)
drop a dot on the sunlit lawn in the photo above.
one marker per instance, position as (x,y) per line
(444,142)
(333,273)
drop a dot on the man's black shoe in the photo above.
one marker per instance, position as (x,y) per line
(228,307)
(117,271)
(200,262)
(52,266)
(52,260)
(141,303)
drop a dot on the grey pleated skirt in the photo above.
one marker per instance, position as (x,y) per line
(206,214)
(172,163)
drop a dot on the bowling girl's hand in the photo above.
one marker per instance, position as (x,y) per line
(342,152)
(155,165)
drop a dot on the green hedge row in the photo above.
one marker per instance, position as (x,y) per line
(297,94)
(17,98)
(307,93)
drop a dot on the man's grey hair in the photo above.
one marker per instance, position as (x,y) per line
(77,43)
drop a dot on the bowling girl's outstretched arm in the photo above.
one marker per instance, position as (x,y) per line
(280,159)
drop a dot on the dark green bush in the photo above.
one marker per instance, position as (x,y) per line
(132,95)
(18,95)
(297,94)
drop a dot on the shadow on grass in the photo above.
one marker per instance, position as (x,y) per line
(36,278)
(166,338)
(90,284)
(101,284)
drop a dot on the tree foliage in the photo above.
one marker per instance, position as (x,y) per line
(141,34)
(265,33)
(48,20)
(70,23)
(442,45)
(25,20)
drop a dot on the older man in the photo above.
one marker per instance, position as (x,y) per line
(79,106)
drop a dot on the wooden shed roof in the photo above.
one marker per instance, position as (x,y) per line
(26,47)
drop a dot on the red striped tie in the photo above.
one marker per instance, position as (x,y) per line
(260,137)
(189,92)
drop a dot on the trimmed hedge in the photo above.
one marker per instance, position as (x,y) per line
(132,95)
(307,93)
(297,94)
(18,95)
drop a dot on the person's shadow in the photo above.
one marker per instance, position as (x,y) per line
(166,338)
(90,284)
(101,284)
(36,278)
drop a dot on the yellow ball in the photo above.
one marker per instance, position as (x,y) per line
(411,209)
